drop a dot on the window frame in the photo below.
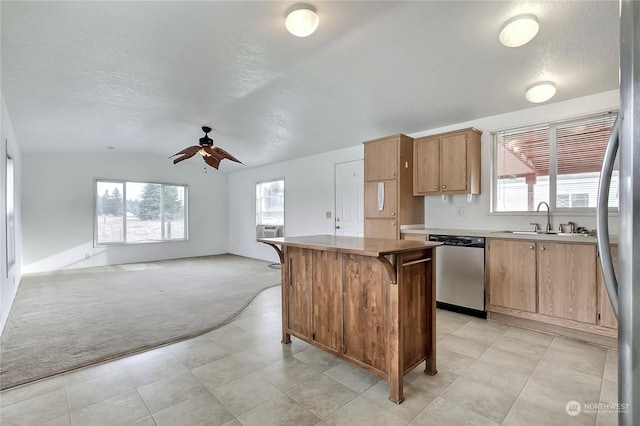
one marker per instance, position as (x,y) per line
(124,242)
(553,169)
(284,218)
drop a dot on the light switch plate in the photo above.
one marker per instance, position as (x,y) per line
(327,215)
(461,211)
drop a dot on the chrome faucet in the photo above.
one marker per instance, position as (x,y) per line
(548,228)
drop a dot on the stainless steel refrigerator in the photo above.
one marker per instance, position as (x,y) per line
(624,291)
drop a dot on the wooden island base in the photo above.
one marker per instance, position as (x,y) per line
(368,301)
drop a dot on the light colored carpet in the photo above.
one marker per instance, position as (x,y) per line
(69,319)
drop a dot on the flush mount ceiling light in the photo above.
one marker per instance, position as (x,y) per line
(519,30)
(540,92)
(301,20)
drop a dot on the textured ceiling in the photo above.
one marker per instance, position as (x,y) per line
(145,76)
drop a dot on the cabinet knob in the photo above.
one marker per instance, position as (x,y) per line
(444,186)
(542,248)
(530,247)
(393,214)
(435,187)
(393,174)
(393,224)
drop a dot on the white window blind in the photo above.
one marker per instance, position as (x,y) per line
(522,168)
(580,151)
(562,158)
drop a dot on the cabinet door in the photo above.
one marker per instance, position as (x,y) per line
(567,281)
(327,299)
(381,228)
(381,159)
(299,271)
(366,320)
(511,274)
(426,168)
(390,203)
(453,169)
(415,237)
(607,317)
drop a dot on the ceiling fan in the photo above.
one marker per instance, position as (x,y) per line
(212,155)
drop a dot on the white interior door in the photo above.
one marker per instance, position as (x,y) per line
(349,217)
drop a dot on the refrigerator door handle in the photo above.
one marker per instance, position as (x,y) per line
(602,215)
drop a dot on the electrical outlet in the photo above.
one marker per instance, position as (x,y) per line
(461,211)
(87,256)
(327,215)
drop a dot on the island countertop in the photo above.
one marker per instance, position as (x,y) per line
(373,247)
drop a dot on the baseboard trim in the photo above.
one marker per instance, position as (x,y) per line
(462,310)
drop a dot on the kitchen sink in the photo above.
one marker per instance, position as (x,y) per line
(549,233)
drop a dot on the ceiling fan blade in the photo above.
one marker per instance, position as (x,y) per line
(212,161)
(225,154)
(188,152)
(209,150)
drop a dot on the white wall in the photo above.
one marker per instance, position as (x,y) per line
(309,184)
(478,216)
(58,208)
(308,194)
(9,280)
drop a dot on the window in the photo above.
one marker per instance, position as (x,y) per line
(10,213)
(270,203)
(558,163)
(134,212)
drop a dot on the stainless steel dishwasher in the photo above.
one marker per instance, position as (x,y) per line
(460,274)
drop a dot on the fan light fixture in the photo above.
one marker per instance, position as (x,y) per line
(301,20)
(540,92)
(519,30)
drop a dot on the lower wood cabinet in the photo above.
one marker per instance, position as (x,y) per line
(552,286)
(511,274)
(315,296)
(366,325)
(567,281)
(327,299)
(381,228)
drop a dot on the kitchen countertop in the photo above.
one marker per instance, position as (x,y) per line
(488,233)
(374,247)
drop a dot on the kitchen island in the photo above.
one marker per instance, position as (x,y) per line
(368,301)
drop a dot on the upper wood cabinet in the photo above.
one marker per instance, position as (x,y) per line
(388,196)
(606,316)
(511,274)
(447,163)
(567,281)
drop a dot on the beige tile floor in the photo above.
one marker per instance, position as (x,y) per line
(489,374)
